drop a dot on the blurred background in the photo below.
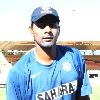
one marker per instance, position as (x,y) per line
(80,28)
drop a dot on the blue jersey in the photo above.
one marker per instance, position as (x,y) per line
(64,79)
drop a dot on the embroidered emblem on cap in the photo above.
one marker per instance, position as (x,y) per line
(66,66)
(46,10)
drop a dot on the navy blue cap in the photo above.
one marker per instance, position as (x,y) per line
(42,11)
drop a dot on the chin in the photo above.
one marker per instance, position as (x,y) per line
(48,45)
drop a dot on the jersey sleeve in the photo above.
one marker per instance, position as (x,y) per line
(84,84)
(18,85)
(86,87)
(12,88)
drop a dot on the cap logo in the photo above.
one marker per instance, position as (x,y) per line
(46,10)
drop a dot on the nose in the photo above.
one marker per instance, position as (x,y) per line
(47,29)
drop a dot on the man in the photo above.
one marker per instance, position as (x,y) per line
(49,71)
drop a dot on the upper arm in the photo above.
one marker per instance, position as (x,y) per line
(84,87)
(12,88)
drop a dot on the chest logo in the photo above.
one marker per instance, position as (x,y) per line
(66,66)
(36,75)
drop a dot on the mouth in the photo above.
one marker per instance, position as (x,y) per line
(47,39)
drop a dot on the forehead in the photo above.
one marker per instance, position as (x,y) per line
(47,19)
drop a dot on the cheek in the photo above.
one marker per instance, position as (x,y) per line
(36,33)
(37,37)
(56,33)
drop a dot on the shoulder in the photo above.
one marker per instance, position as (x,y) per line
(20,67)
(66,49)
(74,53)
(22,62)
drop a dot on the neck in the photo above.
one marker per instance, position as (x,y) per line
(45,55)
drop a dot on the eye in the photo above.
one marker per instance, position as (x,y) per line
(43,25)
(53,25)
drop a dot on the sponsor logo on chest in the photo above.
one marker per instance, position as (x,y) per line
(57,92)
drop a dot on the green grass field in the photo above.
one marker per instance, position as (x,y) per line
(94,96)
(2,94)
(95,93)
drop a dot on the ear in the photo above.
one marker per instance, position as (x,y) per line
(30,29)
(58,30)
